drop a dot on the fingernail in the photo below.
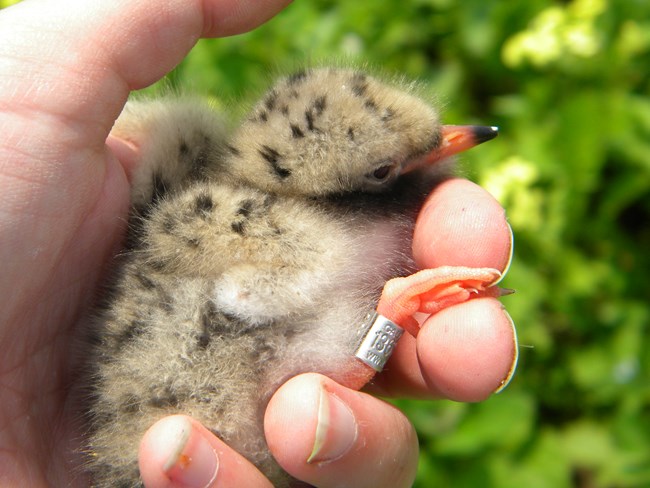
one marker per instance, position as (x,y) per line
(190,459)
(336,430)
(510,254)
(511,372)
(126,152)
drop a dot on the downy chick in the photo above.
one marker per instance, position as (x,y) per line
(257,256)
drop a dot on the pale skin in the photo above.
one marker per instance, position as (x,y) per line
(67,67)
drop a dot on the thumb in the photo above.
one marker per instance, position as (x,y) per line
(82,70)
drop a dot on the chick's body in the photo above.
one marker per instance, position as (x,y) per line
(253,257)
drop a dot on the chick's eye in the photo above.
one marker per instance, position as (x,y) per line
(382,172)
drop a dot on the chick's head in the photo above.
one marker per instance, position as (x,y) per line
(332,131)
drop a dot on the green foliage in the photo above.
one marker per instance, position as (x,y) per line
(568,84)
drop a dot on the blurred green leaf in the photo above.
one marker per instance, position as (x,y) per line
(502,422)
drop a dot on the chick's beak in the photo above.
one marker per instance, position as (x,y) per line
(456,138)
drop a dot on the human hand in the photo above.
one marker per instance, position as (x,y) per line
(62,190)
(67,67)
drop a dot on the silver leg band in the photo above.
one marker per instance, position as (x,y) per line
(379,342)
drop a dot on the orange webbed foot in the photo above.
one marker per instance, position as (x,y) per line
(431,290)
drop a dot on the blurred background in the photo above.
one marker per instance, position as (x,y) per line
(568,83)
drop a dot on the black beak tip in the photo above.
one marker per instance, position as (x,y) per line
(484,133)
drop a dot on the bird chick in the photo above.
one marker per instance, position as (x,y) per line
(258,255)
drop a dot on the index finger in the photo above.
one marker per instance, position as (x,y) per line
(461,224)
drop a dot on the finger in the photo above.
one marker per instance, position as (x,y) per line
(461,224)
(229,17)
(330,436)
(468,352)
(464,353)
(177,451)
(77,60)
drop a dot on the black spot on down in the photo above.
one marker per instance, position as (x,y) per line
(203,204)
(273,157)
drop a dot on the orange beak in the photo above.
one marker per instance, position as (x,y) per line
(456,138)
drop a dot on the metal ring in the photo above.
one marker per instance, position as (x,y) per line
(379,342)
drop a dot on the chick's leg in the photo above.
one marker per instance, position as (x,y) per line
(431,290)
